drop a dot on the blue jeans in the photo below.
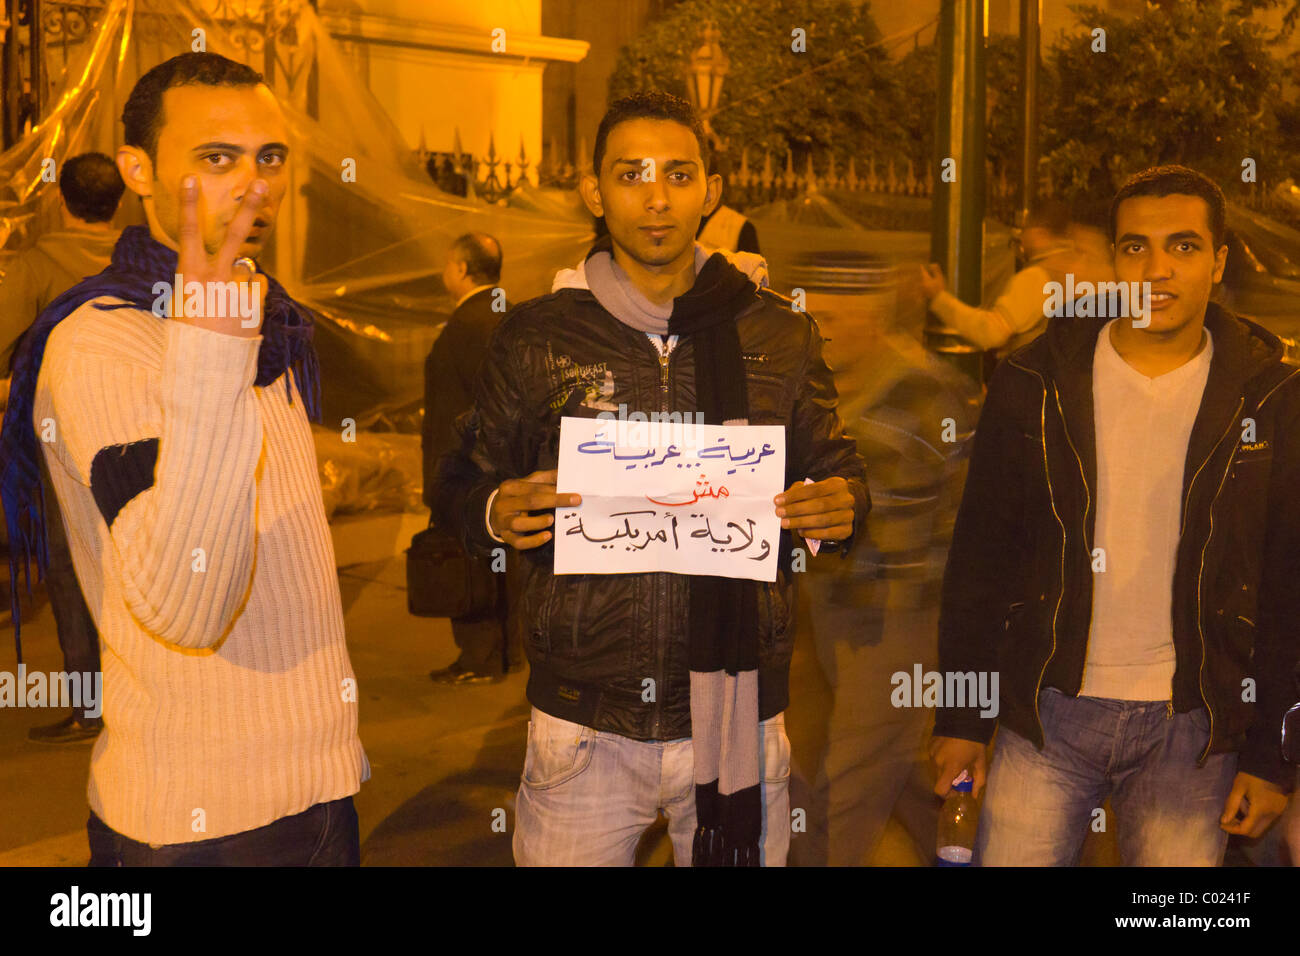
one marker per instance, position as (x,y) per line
(587,796)
(326,834)
(1039,805)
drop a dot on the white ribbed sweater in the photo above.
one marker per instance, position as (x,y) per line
(227,690)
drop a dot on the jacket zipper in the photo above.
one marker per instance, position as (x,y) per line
(661,597)
(546,614)
(1051,495)
(1087,507)
(1200,576)
(577,612)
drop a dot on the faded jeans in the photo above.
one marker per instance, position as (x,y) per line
(587,796)
(1039,805)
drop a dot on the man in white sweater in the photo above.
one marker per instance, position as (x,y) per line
(178,441)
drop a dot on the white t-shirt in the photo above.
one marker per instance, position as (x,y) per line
(1142,427)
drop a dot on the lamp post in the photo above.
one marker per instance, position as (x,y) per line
(705,72)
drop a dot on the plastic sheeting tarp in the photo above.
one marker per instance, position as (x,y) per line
(368,471)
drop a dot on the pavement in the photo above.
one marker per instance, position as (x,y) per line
(444,760)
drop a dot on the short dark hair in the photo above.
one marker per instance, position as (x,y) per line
(481,254)
(91,187)
(1173,180)
(649,104)
(142,115)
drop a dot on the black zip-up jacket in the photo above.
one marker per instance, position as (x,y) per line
(1017,594)
(593,639)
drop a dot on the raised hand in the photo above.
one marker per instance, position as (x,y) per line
(215,271)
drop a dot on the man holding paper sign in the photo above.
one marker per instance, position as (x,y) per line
(656,689)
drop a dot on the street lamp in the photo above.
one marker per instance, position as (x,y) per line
(705,73)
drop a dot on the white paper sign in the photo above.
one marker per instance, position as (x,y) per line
(669,496)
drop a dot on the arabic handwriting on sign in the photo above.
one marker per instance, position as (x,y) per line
(747,533)
(631,531)
(595,447)
(703,489)
(672,452)
(600,446)
(753,465)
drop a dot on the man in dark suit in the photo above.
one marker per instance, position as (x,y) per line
(471,276)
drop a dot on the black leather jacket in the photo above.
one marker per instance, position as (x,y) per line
(1017,594)
(593,639)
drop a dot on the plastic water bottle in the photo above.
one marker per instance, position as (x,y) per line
(957,822)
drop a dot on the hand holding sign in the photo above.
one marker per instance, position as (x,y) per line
(822,510)
(510,516)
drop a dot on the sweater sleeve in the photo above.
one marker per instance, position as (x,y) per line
(180,497)
(1018,309)
(986,559)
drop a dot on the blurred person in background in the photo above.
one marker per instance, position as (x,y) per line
(877,612)
(1051,247)
(90,188)
(725,227)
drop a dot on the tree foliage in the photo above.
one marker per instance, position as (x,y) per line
(1186,83)
(838,97)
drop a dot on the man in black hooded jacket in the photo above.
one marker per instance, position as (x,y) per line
(1125,560)
(612,681)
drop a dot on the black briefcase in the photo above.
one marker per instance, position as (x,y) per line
(443,580)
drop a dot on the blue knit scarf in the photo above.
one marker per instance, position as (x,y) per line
(138,262)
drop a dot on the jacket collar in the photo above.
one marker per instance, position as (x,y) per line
(1064,356)
(751,264)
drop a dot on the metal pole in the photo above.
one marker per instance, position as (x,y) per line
(36,38)
(1030,16)
(10,87)
(957,235)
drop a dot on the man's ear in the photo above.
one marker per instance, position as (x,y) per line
(136,169)
(1220,261)
(589,189)
(713,198)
